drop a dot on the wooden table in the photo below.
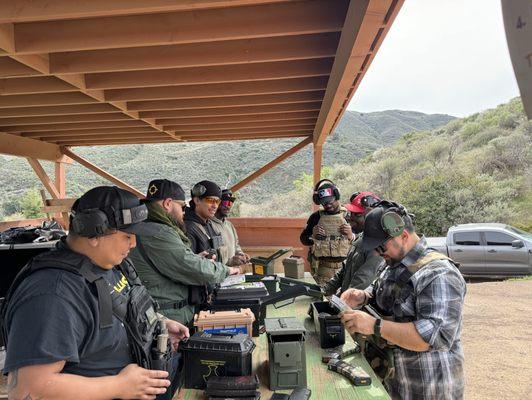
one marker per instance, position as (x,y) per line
(325,384)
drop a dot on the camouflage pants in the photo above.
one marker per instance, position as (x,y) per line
(322,271)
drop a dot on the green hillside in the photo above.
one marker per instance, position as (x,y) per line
(356,136)
(475,169)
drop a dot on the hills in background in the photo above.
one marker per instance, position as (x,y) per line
(357,135)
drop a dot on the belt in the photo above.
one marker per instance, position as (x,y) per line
(175,305)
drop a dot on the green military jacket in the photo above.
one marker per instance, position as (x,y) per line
(179,267)
(359,269)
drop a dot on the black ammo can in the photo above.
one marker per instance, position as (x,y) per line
(207,355)
(327,324)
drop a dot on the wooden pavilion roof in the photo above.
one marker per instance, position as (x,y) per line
(105,72)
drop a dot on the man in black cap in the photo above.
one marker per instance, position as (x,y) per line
(327,233)
(231,253)
(73,314)
(420,296)
(206,197)
(173,274)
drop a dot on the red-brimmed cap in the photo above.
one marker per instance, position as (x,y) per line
(356,205)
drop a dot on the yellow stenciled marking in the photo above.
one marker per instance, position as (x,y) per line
(120,285)
(213,367)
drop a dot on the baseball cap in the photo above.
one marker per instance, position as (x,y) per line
(206,189)
(374,233)
(356,205)
(121,210)
(160,189)
(326,194)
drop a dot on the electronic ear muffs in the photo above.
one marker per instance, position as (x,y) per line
(198,190)
(315,198)
(89,223)
(392,220)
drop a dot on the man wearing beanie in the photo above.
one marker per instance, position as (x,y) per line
(73,314)
(230,251)
(174,275)
(206,197)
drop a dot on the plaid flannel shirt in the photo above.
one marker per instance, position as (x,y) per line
(432,299)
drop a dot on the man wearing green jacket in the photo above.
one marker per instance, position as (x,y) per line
(175,276)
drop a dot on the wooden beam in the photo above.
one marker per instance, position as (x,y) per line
(196,54)
(239,119)
(41,10)
(118,182)
(217,90)
(232,111)
(10,68)
(317,160)
(57,110)
(33,130)
(67,119)
(87,132)
(45,99)
(364,30)
(262,20)
(25,147)
(230,101)
(249,125)
(270,165)
(216,74)
(43,176)
(32,85)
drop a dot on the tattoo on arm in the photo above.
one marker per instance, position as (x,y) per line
(12,380)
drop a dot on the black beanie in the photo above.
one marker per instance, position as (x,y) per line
(206,189)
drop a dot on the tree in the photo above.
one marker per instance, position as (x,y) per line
(31,204)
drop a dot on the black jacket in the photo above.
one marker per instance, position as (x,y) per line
(200,239)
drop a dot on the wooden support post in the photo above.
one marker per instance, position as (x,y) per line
(318,152)
(271,164)
(101,172)
(60,184)
(43,176)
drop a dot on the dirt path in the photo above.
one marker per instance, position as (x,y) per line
(497,339)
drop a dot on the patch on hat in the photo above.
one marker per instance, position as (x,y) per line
(152,189)
(325,192)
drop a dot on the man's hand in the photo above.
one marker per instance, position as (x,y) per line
(346,230)
(177,332)
(140,383)
(354,297)
(236,260)
(318,231)
(358,322)
(235,271)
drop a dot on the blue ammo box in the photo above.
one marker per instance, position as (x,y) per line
(286,351)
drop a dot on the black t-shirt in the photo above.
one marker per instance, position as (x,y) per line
(54,316)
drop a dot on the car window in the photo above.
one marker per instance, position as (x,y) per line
(499,239)
(467,238)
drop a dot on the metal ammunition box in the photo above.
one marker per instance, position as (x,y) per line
(286,351)
(207,355)
(294,267)
(327,324)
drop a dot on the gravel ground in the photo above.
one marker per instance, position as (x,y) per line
(497,340)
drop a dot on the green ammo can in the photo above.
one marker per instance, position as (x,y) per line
(286,351)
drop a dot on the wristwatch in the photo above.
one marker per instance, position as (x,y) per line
(377,327)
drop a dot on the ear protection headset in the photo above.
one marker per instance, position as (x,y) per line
(198,190)
(315,197)
(95,222)
(392,220)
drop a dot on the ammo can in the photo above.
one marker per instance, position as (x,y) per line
(286,351)
(294,267)
(240,321)
(328,325)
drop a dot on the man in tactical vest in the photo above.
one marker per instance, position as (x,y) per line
(204,239)
(230,252)
(327,233)
(361,266)
(172,273)
(79,323)
(418,301)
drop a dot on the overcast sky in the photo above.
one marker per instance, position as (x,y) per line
(441,56)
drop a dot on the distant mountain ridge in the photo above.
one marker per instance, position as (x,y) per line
(357,135)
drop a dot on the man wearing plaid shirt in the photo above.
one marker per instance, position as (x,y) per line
(420,296)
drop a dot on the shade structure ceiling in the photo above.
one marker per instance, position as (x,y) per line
(85,73)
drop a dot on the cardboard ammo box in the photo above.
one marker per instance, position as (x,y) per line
(327,324)
(207,355)
(233,322)
(294,267)
(286,351)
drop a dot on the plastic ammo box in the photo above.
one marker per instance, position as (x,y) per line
(233,322)
(207,355)
(328,325)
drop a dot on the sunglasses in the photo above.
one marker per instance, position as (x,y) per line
(181,203)
(227,203)
(212,201)
(381,249)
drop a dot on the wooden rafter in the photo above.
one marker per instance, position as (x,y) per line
(26,147)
